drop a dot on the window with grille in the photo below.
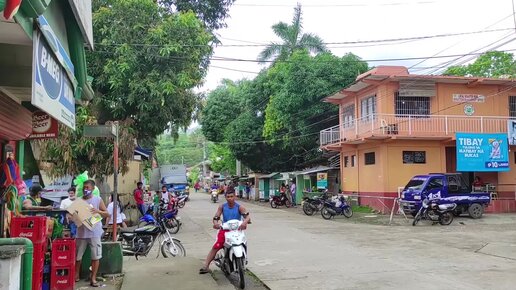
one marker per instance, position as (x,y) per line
(415,106)
(414,157)
(353,159)
(512,106)
(369,158)
(348,116)
(346,161)
(368,108)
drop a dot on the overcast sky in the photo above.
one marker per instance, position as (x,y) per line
(359,20)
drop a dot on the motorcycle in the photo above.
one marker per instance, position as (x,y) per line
(172,221)
(214,196)
(233,257)
(435,212)
(138,241)
(332,208)
(280,200)
(315,204)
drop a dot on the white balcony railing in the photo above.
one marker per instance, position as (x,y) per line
(412,125)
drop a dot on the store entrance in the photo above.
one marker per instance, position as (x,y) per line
(451,165)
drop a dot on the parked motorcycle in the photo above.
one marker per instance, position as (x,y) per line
(314,204)
(435,212)
(280,200)
(233,257)
(340,207)
(170,217)
(214,195)
(138,241)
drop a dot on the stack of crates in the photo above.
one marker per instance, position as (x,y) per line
(33,228)
(63,265)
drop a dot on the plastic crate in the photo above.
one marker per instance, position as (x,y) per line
(33,228)
(37,280)
(62,278)
(38,257)
(63,252)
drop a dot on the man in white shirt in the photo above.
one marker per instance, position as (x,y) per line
(65,203)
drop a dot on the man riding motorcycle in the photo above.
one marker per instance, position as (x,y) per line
(229,211)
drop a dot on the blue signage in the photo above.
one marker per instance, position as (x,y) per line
(53,80)
(482,152)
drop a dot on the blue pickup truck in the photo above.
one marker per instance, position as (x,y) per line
(447,188)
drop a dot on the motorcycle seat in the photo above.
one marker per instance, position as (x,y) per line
(447,206)
(128,229)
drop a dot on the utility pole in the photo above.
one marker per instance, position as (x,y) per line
(204,168)
(514,15)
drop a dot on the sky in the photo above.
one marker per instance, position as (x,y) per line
(340,21)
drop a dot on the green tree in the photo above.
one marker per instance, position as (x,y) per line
(222,159)
(211,12)
(148,60)
(295,113)
(223,105)
(72,153)
(292,38)
(491,64)
(186,149)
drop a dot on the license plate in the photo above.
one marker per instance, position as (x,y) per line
(417,197)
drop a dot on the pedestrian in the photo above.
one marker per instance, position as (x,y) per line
(65,203)
(120,216)
(91,238)
(197,186)
(138,197)
(32,201)
(293,192)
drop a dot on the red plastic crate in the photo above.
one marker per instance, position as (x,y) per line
(38,257)
(37,280)
(33,228)
(62,278)
(63,252)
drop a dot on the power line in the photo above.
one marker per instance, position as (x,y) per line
(325,43)
(338,5)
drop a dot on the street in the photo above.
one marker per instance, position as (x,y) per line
(288,250)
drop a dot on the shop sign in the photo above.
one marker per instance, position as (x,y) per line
(43,126)
(482,152)
(468,98)
(52,89)
(322,180)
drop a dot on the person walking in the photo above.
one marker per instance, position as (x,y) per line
(138,197)
(91,238)
(293,192)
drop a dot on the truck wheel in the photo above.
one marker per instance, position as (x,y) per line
(476,210)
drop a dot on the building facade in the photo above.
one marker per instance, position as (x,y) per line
(394,125)
(42,68)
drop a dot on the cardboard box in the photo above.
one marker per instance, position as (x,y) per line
(81,214)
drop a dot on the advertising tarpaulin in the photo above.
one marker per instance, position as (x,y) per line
(43,126)
(322,180)
(482,152)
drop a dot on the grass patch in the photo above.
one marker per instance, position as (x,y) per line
(362,209)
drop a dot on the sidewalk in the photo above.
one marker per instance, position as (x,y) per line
(173,273)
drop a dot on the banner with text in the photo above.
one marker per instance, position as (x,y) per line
(482,152)
(322,180)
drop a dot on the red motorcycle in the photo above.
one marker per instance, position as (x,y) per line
(279,200)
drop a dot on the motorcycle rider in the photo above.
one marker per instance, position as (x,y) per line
(229,211)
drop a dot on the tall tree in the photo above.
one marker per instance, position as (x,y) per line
(147,62)
(292,38)
(211,12)
(491,64)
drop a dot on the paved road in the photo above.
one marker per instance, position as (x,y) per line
(292,251)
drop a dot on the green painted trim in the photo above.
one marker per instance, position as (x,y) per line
(77,55)
(25,22)
(20,155)
(2,5)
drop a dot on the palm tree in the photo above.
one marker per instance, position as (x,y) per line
(293,39)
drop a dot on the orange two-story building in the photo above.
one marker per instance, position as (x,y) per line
(394,125)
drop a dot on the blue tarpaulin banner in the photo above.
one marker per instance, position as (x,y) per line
(482,152)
